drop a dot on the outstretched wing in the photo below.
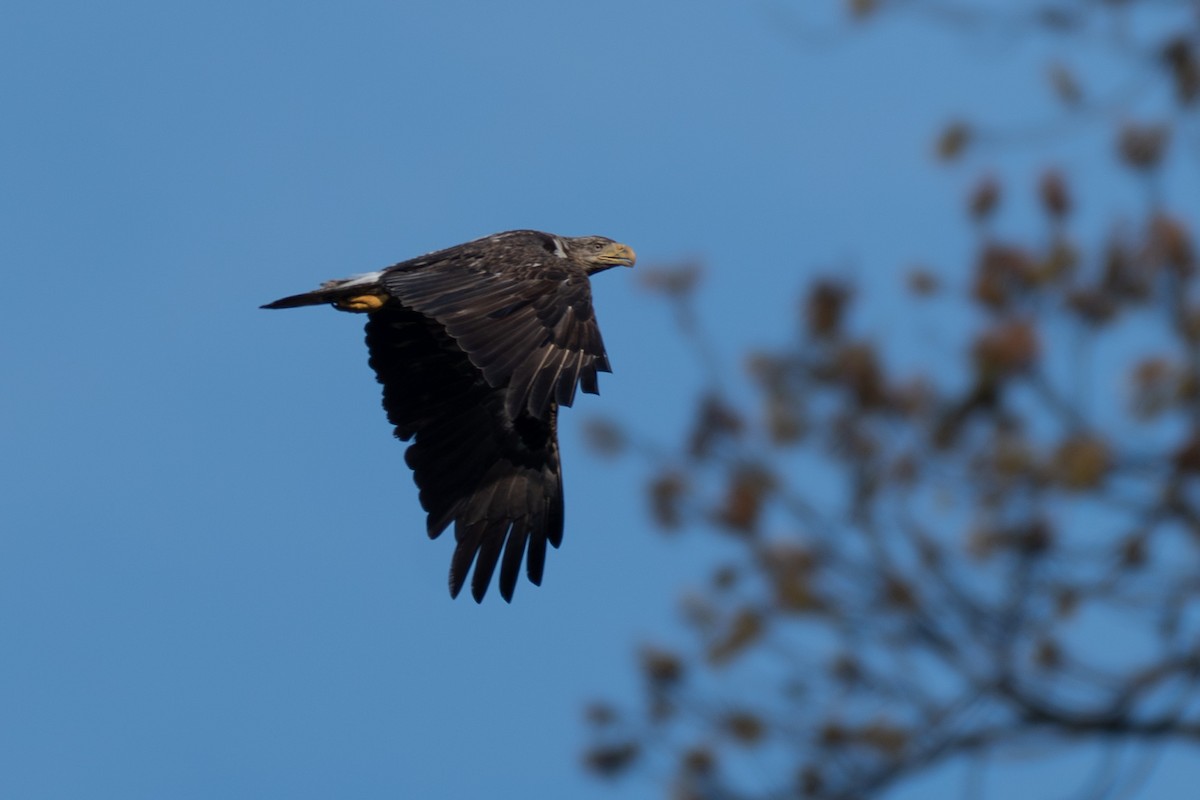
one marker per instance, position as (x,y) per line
(494,476)
(529,328)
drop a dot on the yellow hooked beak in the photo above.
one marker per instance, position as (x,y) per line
(617,254)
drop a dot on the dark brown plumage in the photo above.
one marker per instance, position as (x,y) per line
(476,347)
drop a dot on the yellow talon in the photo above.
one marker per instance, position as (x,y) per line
(361,303)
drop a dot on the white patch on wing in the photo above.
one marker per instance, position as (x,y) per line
(360,280)
(560,247)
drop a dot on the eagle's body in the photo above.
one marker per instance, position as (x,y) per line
(476,347)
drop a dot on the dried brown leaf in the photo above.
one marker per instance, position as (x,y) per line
(984,198)
(824,308)
(744,630)
(677,281)
(1003,273)
(857,367)
(887,738)
(1081,462)
(1094,306)
(791,571)
(846,670)
(1181,57)
(1154,381)
(1059,262)
(1133,551)
(1142,146)
(661,668)
(1055,197)
(715,420)
(861,9)
(745,495)
(744,727)
(898,594)
(1006,349)
(1171,243)
(1187,456)
(785,422)
(1047,655)
(1066,602)
(667,493)
(611,760)
(600,714)
(953,140)
(699,761)
(1065,85)
(604,436)
(922,282)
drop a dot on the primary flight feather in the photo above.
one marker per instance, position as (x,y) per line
(476,347)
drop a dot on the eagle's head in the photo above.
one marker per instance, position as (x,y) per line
(597,253)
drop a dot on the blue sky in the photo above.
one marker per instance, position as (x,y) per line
(214,578)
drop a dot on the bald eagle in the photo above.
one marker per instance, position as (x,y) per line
(476,347)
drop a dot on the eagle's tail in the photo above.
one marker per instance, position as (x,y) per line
(316,298)
(339,292)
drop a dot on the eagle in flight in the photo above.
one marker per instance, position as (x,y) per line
(476,347)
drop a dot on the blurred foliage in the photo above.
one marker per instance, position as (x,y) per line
(932,564)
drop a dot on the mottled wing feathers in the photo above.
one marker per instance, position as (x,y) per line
(494,476)
(527,325)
